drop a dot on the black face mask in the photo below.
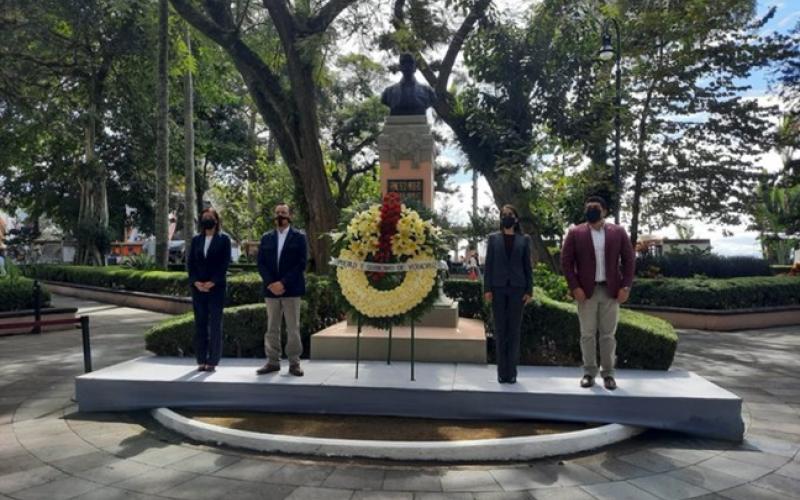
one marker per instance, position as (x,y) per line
(593,214)
(281,218)
(208,223)
(508,221)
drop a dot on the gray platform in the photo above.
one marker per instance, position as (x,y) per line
(674,400)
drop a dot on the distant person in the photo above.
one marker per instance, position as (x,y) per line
(507,284)
(282,258)
(472,265)
(598,262)
(207,263)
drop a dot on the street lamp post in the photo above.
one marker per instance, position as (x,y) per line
(607,51)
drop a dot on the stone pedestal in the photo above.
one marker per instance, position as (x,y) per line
(406,152)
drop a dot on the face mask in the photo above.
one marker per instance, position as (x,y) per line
(509,221)
(593,214)
(208,223)
(280,219)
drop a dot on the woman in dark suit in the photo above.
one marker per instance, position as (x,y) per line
(507,284)
(207,263)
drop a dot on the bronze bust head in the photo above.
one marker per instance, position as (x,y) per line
(408,96)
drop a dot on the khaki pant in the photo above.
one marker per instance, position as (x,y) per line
(277,309)
(599,314)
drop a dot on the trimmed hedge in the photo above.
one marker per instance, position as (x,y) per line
(242,330)
(687,265)
(551,336)
(17,294)
(550,333)
(734,293)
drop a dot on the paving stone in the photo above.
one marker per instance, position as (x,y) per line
(314,493)
(652,461)
(249,470)
(403,480)
(355,478)
(756,457)
(382,495)
(503,495)
(110,493)
(517,479)
(204,462)
(117,471)
(300,475)
(469,480)
(565,493)
(204,488)
(791,469)
(740,469)
(84,462)
(668,487)
(443,496)
(616,469)
(751,492)
(710,479)
(781,484)
(20,480)
(60,489)
(619,490)
(155,481)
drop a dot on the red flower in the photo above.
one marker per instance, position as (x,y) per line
(390,216)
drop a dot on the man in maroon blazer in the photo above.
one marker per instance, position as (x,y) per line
(598,261)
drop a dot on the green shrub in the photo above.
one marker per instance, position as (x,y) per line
(242,330)
(553,284)
(551,336)
(16,293)
(550,333)
(689,264)
(734,293)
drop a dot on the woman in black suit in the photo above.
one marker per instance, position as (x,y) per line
(507,284)
(207,263)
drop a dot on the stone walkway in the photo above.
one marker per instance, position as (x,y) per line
(49,451)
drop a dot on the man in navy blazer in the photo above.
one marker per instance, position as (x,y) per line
(282,258)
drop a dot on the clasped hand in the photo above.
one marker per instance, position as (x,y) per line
(204,286)
(276,288)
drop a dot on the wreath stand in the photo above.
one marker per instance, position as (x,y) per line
(388,350)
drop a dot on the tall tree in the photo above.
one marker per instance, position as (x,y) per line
(162,138)
(283,88)
(521,79)
(189,204)
(57,59)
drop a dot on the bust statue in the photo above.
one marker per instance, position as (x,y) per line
(408,96)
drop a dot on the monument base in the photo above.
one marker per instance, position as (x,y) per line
(464,344)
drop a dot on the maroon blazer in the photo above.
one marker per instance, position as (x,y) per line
(578,260)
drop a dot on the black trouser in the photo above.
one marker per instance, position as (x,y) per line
(208,324)
(507,309)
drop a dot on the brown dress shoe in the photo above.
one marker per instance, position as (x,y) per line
(268,368)
(587,381)
(296,370)
(609,383)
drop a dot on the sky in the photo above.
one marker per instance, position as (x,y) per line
(742,242)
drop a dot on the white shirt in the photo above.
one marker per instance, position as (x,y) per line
(208,244)
(599,242)
(281,240)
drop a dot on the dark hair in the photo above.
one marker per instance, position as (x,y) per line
(407,57)
(517,228)
(214,213)
(283,203)
(597,199)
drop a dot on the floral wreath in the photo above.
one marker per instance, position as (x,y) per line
(387,259)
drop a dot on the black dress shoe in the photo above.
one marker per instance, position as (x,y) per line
(609,383)
(296,370)
(201,368)
(587,381)
(502,380)
(512,380)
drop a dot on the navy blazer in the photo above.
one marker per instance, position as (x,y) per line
(290,271)
(214,265)
(502,271)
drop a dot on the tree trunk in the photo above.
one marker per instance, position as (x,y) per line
(162,142)
(93,207)
(190,214)
(509,190)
